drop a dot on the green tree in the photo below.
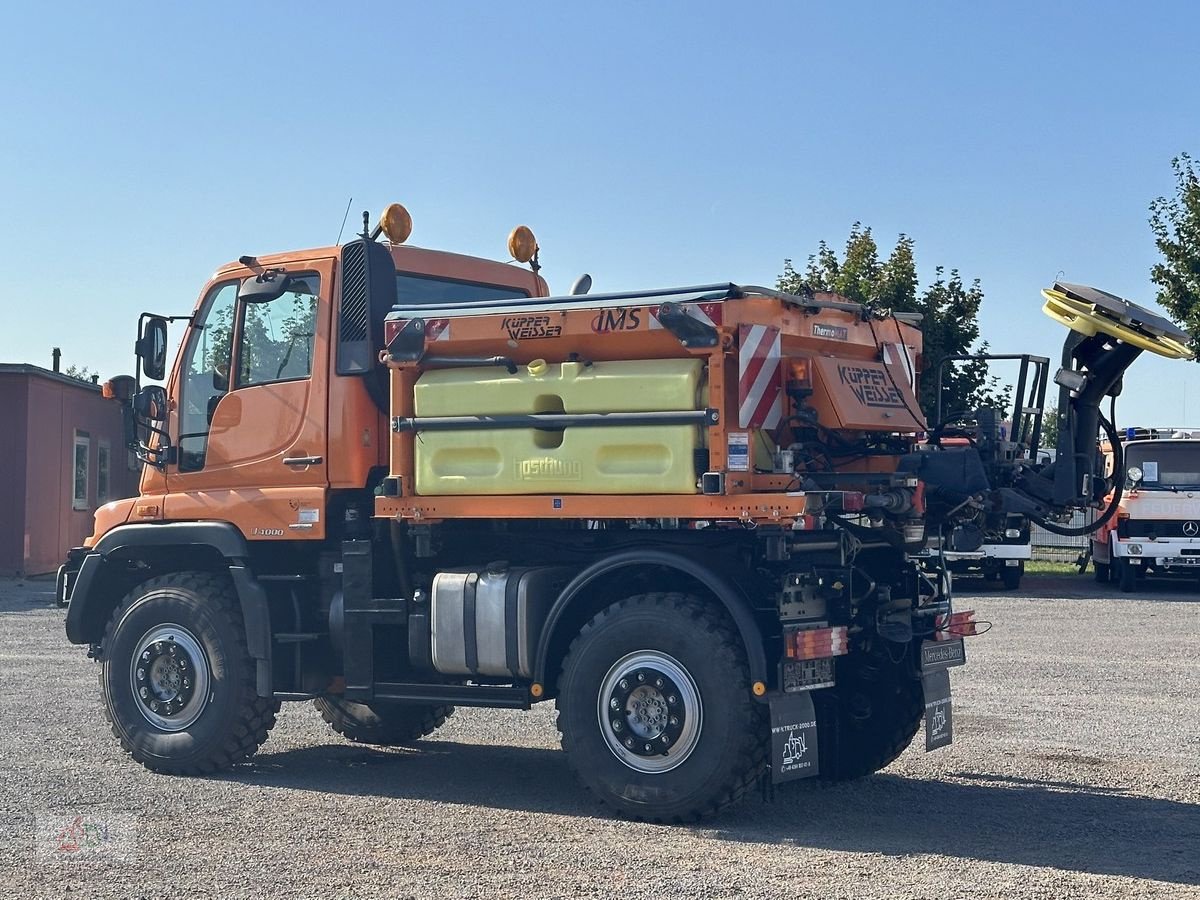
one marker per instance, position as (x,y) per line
(83,373)
(949,310)
(1175,222)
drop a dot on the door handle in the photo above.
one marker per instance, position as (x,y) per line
(302,460)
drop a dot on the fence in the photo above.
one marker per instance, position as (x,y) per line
(1046,545)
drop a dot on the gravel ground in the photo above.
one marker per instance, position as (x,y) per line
(1074,774)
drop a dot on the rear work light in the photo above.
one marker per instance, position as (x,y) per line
(814,643)
(956,625)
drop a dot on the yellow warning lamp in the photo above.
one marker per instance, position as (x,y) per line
(523,246)
(396,223)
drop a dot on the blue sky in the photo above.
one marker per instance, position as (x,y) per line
(649,144)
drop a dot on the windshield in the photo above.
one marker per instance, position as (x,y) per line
(415,289)
(1166,464)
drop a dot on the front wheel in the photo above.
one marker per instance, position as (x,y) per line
(177,680)
(656,712)
(1127,575)
(1011,576)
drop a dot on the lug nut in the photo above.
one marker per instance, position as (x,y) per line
(624,684)
(616,724)
(144,693)
(146,655)
(672,699)
(641,676)
(141,674)
(614,703)
(658,682)
(629,743)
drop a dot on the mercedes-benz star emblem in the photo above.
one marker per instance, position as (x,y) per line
(1191,529)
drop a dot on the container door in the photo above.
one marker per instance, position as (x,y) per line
(251,415)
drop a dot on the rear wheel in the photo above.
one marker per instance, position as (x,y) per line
(656,712)
(382,724)
(177,679)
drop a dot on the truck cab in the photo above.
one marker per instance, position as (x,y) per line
(1156,530)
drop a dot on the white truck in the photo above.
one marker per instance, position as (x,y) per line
(1156,530)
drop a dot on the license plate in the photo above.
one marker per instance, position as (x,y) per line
(806,674)
(1181,561)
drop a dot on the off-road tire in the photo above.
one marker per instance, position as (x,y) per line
(382,724)
(854,745)
(233,722)
(729,750)
(1010,576)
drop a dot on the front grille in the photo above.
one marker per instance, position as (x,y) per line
(1157,528)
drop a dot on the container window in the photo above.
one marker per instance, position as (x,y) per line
(83,445)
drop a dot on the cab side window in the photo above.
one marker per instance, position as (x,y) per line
(276,338)
(205,373)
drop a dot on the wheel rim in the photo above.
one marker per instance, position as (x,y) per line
(650,712)
(170,678)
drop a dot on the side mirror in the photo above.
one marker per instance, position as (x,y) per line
(270,285)
(151,348)
(150,403)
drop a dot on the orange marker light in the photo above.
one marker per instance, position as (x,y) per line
(522,245)
(800,372)
(396,223)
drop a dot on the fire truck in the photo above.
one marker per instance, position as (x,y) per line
(1156,530)
(394,481)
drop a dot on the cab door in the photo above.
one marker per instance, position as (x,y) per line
(251,413)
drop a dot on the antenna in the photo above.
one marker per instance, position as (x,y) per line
(345,216)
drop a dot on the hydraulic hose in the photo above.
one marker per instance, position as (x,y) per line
(1110,432)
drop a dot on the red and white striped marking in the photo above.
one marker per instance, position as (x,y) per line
(760,376)
(437,330)
(708,313)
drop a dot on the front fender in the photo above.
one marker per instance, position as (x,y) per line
(94,593)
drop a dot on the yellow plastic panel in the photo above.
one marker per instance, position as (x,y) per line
(580,460)
(637,460)
(651,385)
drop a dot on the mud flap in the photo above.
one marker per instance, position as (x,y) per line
(793,737)
(937,658)
(939,713)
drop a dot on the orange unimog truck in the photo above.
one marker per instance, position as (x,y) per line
(394,481)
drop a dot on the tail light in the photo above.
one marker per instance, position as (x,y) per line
(956,625)
(814,643)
